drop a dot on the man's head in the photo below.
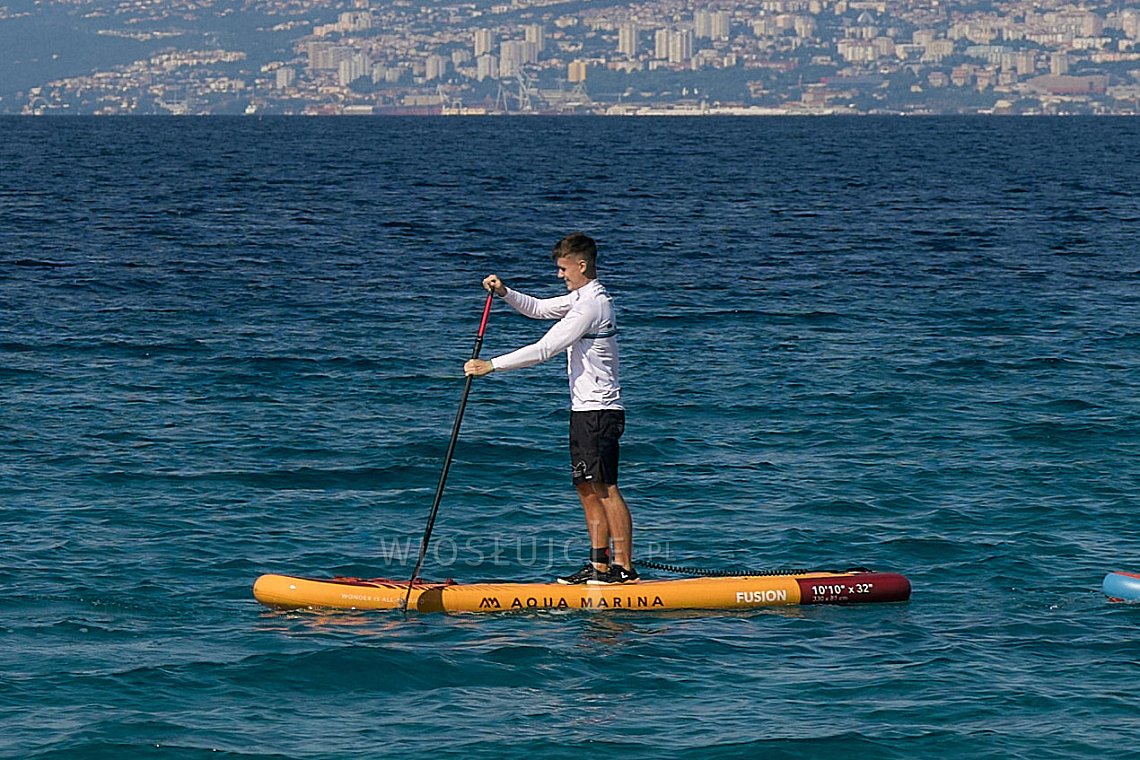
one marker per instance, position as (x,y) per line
(576,257)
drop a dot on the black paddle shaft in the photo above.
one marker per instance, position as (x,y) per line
(450,451)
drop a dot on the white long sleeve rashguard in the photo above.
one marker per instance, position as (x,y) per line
(586,330)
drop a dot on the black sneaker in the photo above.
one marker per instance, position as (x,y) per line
(616,574)
(587,574)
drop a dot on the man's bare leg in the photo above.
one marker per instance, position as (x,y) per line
(608,518)
(596,521)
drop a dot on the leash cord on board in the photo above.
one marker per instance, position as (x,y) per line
(735,572)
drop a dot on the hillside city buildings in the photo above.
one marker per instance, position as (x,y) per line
(646,57)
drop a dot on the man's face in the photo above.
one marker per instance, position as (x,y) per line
(572,270)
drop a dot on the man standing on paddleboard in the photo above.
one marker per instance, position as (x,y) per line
(587,331)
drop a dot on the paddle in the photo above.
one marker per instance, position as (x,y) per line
(450,452)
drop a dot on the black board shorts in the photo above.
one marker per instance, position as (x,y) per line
(594,439)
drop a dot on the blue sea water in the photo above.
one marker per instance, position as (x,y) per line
(233,346)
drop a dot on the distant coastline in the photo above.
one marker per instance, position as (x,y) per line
(612,57)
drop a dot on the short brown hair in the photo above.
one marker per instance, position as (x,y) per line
(578,245)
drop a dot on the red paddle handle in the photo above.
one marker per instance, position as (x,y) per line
(483,324)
